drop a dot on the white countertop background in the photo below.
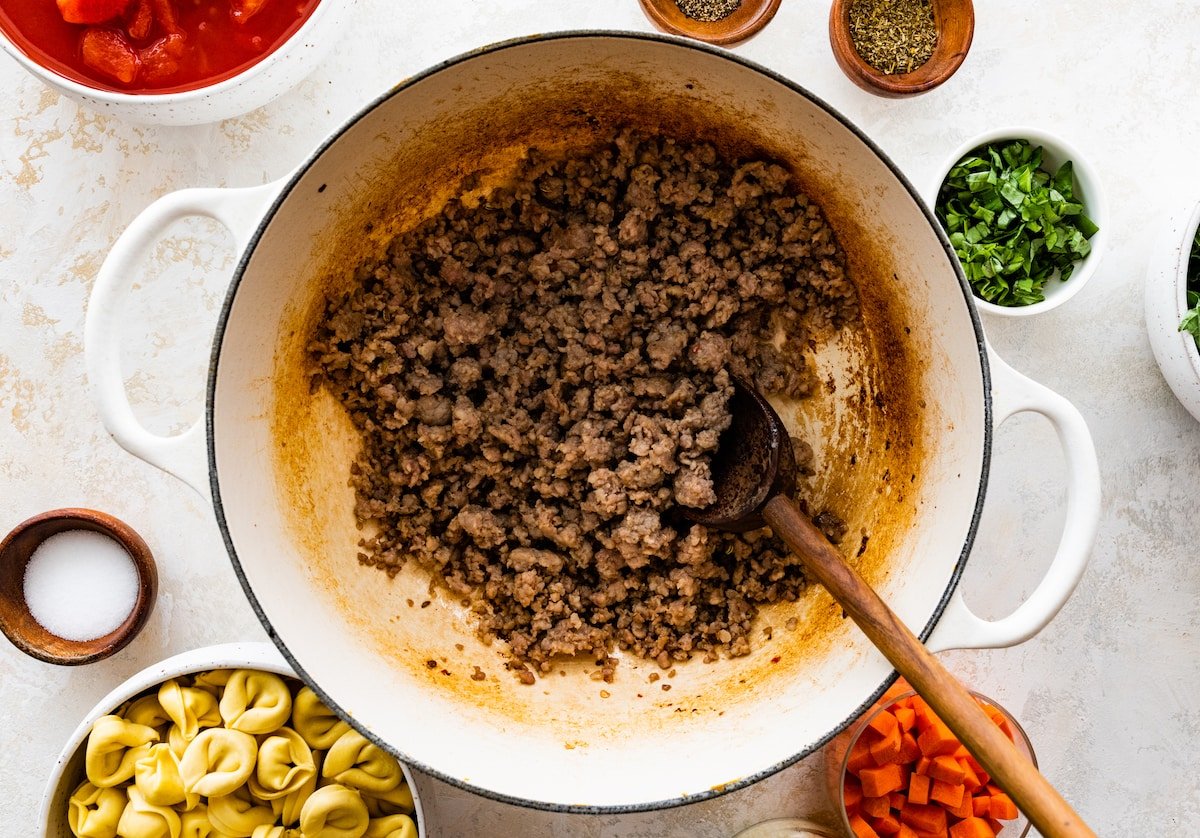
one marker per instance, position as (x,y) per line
(1109,693)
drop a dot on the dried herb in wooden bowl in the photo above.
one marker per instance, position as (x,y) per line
(893,36)
(708,11)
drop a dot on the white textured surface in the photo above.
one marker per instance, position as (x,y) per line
(1110,692)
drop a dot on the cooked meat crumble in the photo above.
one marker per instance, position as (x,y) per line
(541,378)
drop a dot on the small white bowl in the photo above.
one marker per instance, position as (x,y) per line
(1055,152)
(68,769)
(278,72)
(1166,302)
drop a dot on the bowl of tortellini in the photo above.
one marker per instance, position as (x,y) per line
(225,742)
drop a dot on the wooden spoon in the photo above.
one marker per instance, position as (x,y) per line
(752,473)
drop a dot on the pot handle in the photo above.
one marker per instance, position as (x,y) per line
(1013,393)
(182,455)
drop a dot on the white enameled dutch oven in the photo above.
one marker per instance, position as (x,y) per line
(902,434)
(68,772)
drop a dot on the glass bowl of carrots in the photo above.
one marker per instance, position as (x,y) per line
(904,774)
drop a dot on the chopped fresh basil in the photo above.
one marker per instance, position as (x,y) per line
(1013,225)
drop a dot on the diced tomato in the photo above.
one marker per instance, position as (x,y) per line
(164,13)
(106,51)
(242,10)
(160,60)
(90,11)
(140,19)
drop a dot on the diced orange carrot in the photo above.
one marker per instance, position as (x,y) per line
(961,752)
(922,766)
(972,828)
(883,723)
(861,828)
(918,789)
(937,739)
(852,791)
(860,754)
(882,780)
(899,688)
(887,825)
(876,807)
(887,748)
(906,717)
(1002,807)
(995,825)
(924,818)
(949,795)
(924,713)
(970,778)
(998,719)
(947,769)
(910,751)
(981,806)
(906,831)
(898,800)
(965,809)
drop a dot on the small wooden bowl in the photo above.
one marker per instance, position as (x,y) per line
(750,17)
(955,22)
(18,623)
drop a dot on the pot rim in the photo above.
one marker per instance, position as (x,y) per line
(285,193)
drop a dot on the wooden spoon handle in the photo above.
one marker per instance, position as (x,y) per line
(1039,800)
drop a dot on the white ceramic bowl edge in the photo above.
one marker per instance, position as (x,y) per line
(1055,152)
(1166,302)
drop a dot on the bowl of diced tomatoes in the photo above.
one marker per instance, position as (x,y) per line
(903,774)
(171,61)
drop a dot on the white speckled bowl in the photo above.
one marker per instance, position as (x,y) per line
(270,78)
(1166,301)
(67,772)
(1055,152)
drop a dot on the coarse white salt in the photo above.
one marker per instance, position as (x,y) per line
(80,585)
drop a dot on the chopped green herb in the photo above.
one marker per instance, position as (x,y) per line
(1191,318)
(1013,225)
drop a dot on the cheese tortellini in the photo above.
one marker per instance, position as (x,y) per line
(142,819)
(319,725)
(355,762)
(189,708)
(194,823)
(236,753)
(255,702)
(147,711)
(334,811)
(94,812)
(157,776)
(288,807)
(392,826)
(276,832)
(238,814)
(285,763)
(398,801)
(113,748)
(218,762)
